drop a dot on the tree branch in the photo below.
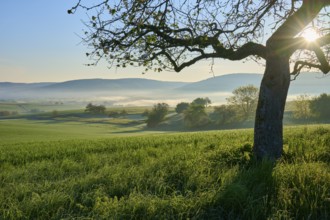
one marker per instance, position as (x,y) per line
(298,20)
(299,65)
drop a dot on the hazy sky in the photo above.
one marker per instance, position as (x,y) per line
(39,42)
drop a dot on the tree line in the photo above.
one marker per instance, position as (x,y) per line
(239,108)
(306,107)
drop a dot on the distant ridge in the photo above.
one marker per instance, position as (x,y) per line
(224,83)
(137,88)
(112,84)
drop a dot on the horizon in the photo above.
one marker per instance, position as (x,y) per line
(161,80)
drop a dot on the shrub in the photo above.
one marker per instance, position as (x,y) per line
(95,109)
(195,116)
(157,114)
(181,107)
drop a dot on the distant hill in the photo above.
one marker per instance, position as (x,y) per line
(224,83)
(21,86)
(309,83)
(149,91)
(135,84)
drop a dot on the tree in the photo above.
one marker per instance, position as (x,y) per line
(113,114)
(301,107)
(157,114)
(245,100)
(95,109)
(320,106)
(202,101)
(224,114)
(195,116)
(167,34)
(181,107)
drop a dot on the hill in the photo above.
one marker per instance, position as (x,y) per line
(311,83)
(129,84)
(224,83)
(137,91)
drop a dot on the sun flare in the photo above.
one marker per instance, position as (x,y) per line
(310,34)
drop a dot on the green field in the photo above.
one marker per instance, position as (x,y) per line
(66,168)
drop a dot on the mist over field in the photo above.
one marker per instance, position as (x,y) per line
(142,92)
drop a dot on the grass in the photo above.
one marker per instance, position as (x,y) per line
(200,175)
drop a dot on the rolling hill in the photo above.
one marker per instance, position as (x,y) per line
(135,89)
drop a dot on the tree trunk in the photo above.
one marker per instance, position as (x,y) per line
(268,130)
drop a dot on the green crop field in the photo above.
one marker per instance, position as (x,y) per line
(79,170)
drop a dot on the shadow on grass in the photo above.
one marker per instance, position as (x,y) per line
(247,196)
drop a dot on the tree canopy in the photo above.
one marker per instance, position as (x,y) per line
(157,114)
(167,34)
(245,100)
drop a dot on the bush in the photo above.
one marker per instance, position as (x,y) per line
(224,114)
(95,109)
(157,114)
(113,114)
(195,116)
(181,107)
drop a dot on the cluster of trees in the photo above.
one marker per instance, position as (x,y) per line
(101,109)
(306,108)
(194,112)
(95,109)
(8,113)
(116,114)
(240,107)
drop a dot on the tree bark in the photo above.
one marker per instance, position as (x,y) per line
(268,130)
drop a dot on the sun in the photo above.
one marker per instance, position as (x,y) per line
(310,34)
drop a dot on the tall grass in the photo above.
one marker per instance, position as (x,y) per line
(202,175)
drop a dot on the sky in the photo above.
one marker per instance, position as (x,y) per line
(39,42)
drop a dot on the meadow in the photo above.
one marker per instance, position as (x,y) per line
(80,170)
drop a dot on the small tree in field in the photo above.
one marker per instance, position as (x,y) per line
(302,107)
(172,35)
(245,100)
(95,109)
(157,114)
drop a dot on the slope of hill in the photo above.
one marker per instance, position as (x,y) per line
(216,88)
(311,83)
(224,83)
(135,84)
(22,86)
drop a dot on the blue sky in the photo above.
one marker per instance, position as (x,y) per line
(40,43)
